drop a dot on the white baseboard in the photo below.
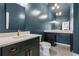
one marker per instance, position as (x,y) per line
(75,54)
(63,44)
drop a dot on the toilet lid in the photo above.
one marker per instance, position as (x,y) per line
(45,44)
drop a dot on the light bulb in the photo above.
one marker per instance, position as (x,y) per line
(57,14)
(60,13)
(53,7)
(58,7)
(55,4)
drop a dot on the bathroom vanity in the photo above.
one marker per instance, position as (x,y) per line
(25,45)
(51,35)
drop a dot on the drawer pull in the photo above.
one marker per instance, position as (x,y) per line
(12,51)
(28,52)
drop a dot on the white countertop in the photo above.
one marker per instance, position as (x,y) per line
(8,40)
(59,31)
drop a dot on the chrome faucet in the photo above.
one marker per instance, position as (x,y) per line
(18,32)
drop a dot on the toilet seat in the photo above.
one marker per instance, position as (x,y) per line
(44,48)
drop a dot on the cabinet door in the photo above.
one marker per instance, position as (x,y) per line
(31,47)
(50,37)
(16,16)
(36,47)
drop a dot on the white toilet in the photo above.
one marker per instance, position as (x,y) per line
(44,48)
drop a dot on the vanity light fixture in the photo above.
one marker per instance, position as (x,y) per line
(35,12)
(59,14)
(7,20)
(56,6)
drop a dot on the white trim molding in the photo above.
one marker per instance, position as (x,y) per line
(63,44)
(67,45)
(75,54)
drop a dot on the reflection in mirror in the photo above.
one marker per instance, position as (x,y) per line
(22,16)
(7,20)
(55,22)
(44,16)
(65,25)
(35,12)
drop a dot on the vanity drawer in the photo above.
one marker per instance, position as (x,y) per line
(11,50)
(30,43)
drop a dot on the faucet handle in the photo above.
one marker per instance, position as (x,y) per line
(18,32)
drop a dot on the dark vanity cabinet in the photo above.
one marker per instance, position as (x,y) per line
(25,48)
(16,16)
(49,37)
(0,52)
(54,37)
